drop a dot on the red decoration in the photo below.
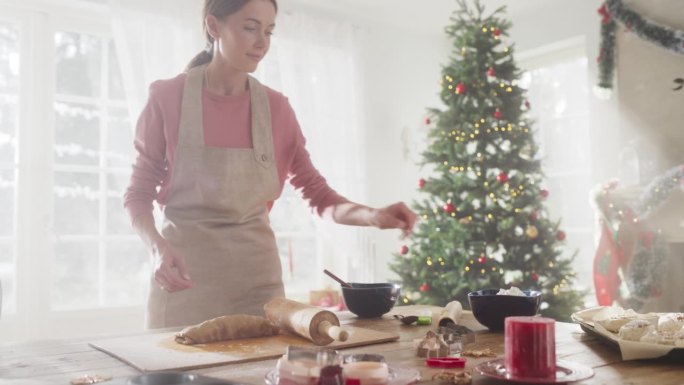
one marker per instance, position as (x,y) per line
(424,287)
(482,260)
(527,104)
(502,177)
(560,235)
(449,208)
(497,114)
(534,276)
(534,216)
(421,182)
(605,14)
(427,121)
(404,250)
(544,193)
(461,88)
(491,72)
(497,32)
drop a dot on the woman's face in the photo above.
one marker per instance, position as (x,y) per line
(243,38)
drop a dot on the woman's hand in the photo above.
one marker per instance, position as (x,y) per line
(395,216)
(170,271)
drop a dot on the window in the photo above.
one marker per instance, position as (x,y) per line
(70,264)
(557,88)
(66,247)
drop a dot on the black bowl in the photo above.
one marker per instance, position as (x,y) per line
(491,309)
(370,300)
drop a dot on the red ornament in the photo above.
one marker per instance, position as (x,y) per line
(421,182)
(461,88)
(424,287)
(497,32)
(605,14)
(427,121)
(527,104)
(497,114)
(449,208)
(482,260)
(534,216)
(534,277)
(560,235)
(491,72)
(404,250)
(502,177)
(544,193)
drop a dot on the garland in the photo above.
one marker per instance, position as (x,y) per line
(615,10)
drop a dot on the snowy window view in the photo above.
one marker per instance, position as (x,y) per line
(97,260)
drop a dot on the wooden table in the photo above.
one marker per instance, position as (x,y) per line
(58,362)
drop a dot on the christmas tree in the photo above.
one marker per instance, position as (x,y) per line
(483,221)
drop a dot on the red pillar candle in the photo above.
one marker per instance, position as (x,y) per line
(530,347)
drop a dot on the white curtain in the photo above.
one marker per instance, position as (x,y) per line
(154,39)
(313,62)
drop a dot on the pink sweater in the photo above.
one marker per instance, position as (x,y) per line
(226,124)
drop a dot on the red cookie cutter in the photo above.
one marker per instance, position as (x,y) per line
(446,362)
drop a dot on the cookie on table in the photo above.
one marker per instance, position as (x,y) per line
(671,322)
(635,329)
(659,337)
(679,339)
(614,323)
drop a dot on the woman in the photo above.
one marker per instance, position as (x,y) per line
(219,145)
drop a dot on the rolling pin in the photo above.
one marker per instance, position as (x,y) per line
(320,326)
(451,314)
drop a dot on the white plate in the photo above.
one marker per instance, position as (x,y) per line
(397,376)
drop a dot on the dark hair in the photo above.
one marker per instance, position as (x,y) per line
(219,9)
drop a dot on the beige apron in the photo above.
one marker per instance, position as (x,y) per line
(216,217)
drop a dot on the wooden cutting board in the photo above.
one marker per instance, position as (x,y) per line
(154,352)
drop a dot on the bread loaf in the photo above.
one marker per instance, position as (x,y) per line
(229,327)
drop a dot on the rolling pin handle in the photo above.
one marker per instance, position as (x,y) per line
(333,331)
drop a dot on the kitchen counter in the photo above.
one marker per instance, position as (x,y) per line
(59,362)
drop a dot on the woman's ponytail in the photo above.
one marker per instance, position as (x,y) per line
(201,58)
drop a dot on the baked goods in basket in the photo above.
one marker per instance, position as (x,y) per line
(229,327)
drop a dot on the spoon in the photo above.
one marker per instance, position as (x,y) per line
(336,278)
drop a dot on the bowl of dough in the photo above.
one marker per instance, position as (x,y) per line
(490,307)
(370,300)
